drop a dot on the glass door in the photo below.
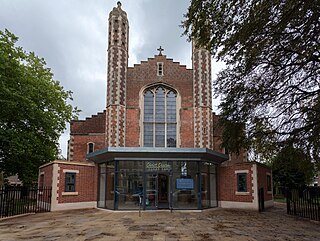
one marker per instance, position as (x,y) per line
(163,191)
(151,192)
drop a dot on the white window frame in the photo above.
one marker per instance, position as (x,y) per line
(88,147)
(160,69)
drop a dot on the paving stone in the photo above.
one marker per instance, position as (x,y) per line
(215,224)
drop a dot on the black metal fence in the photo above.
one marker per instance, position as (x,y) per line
(304,202)
(21,200)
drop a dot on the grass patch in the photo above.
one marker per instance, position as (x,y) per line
(280,199)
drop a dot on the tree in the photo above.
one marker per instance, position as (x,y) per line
(291,168)
(271,81)
(33,113)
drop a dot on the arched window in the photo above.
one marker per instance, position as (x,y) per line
(90,147)
(160,117)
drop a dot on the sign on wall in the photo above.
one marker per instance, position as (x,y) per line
(158,166)
(184,183)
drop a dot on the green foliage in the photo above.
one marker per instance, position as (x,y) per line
(271,81)
(33,113)
(292,168)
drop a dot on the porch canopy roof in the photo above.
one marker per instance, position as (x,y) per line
(156,154)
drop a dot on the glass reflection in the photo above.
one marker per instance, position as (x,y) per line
(130,184)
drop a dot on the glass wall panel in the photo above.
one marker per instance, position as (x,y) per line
(151,198)
(159,178)
(208,185)
(185,185)
(102,186)
(130,184)
(110,185)
(213,190)
(205,184)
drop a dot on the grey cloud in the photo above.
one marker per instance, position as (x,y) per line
(72,37)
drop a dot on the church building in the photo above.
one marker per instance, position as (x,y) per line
(157,143)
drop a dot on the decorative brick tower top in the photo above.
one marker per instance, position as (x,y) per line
(116,77)
(202,97)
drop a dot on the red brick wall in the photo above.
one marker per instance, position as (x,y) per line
(83,132)
(133,127)
(47,178)
(262,180)
(186,129)
(79,145)
(217,134)
(94,124)
(176,76)
(86,184)
(227,183)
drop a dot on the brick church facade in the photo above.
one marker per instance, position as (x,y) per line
(157,143)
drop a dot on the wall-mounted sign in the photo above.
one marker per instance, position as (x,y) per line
(184,183)
(158,166)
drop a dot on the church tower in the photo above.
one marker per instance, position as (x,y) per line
(116,77)
(202,97)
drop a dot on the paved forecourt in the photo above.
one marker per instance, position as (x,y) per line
(214,224)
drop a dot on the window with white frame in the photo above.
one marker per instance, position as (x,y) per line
(241,182)
(160,117)
(160,69)
(70,182)
(90,147)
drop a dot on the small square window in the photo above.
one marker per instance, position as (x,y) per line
(269,186)
(70,182)
(242,182)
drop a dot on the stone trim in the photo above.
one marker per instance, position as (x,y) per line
(71,171)
(242,193)
(70,193)
(55,186)
(254,179)
(238,205)
(67,163)
(241,171)
(76,205)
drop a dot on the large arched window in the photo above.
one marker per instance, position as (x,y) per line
(160,117)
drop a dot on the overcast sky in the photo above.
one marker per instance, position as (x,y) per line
(71,35)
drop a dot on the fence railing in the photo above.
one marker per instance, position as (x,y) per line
(304,202)
(21,200)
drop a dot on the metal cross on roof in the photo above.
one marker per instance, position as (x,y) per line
(160,50)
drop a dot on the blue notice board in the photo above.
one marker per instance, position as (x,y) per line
(184,183)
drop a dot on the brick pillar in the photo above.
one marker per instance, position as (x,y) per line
(202,98)
(116,77)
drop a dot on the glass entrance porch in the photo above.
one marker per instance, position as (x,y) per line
(157,185)
(157,178)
